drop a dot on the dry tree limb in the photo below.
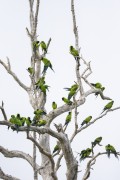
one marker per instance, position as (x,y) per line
(6,176)
(8,69)
(3,111)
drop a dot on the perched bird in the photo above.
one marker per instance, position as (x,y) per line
(40,82)
(110,149)
(16,120)
(71,93)
(97,85)
(28,121)
(68,118)
(72,90)
(23,120)
(30,70)
(47,64)
(36,45)
(67,101)
(43,46)
(73,87)
(108,106)
(39,112)
(54,105)
(41,122)
(56,148)
(85,153)
(74,52)
(96,141)
(44,88)
(86,121)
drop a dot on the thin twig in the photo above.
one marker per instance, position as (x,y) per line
(75,30)
(3,111)
(8,69)
(36,17)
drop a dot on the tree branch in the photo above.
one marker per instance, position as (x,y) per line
(3,111)
(62,109)
(17,154)
(92,122)
(91,162)
(36,17)
(8,69)
(75,30)
(6,176)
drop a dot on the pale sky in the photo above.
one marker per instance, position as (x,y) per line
(99,36)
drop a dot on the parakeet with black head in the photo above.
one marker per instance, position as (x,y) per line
(110,149)
(39,112)
(40,82)
(108,106)
(86,120)
(47,64)
(74,52)
(85,154)
(54,105)
(97,85)
(30,70)
(41,122)
(43,46)
(68,118)
(66,101)
(72,90)
(96,142)
(56,148)
(28,121)
(35,45)
(44,88)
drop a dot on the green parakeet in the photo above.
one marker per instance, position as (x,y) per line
(47,64)
(67,101)
(72,90)
(12,119)
(44,88)
(85,153)
(74,52)
(96,142)
(56,148)
(108,106)
(86,121)
(30,70)
(71,94)
(43,46)
(39,112)
(40,82)
(110,149)
(41,122)
(54,105)
(36,45)
(97,85)
(23,120)
(28,121)
(68,118)
(73,87)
